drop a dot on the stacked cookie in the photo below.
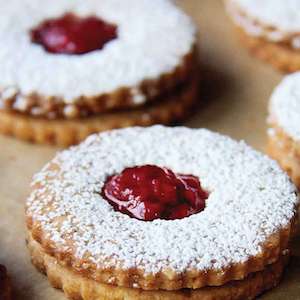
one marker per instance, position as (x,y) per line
(284,131)
(147,213)
(270,29)
(190,215)
(70,68)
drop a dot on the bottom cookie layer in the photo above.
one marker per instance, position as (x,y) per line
(77,287)
(65,132)
(281,56)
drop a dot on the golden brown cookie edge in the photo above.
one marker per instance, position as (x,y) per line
(64,132)
(151,90)
(76,286)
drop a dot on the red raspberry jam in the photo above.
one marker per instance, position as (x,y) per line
(150,192)
(71,34)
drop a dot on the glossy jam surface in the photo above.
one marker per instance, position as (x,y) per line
(71,34)
(150,192)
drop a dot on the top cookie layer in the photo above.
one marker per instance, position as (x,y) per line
(250,199)
(285,105)
(153,38)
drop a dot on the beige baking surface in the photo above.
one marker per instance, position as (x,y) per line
(237,89)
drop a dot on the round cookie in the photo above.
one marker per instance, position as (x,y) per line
(245,227)
(138,63)
(270,29)
(284,130)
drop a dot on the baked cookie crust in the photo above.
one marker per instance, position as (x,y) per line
(148,91)
(275,247)
(68,216)
(286,151)
(283,123)
(279,55)
(76,286)
(142,63)
(63,132)
(265,29)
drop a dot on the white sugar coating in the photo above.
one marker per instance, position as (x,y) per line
(285,105)
(285,15)
(282,17)
(153,38)
(250,198)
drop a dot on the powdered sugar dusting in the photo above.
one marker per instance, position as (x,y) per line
(250,198)
(285,105)
(153,38)
(275,20)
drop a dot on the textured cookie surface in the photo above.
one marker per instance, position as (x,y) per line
(276,22)
(245,226)
(281,56)
(266,40)
(284,15)
(285,150)
(140,52)
(284,131)
(75,286)
(170,109)
(285,105)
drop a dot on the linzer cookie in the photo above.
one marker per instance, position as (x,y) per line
(270,29)
(5,289)
(161,212)
(81,59)
(284,130)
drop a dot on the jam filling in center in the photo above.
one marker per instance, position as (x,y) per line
(150,192)
(71,34)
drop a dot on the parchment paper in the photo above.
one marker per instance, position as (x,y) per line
(236,89)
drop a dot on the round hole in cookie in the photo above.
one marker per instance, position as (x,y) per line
(150,192)
(73,35)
